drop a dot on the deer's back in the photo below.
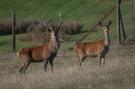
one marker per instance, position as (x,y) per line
(37,53)
(90,48)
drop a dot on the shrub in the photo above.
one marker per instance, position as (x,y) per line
(71,27)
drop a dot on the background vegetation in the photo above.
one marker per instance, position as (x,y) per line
(87,12)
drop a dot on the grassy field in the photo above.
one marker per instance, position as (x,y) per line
(118,73)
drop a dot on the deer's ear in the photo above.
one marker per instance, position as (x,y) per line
(100,24)
(44,23)
(49,29)
(110,22)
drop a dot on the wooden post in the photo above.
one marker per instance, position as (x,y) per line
(120,25)
(118,21)
(13,31)
(134,8)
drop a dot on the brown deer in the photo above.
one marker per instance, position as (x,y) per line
(98,48)
(46,52)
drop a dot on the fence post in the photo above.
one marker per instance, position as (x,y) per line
(120,25)
(134,8)
(13,31)
(118,21)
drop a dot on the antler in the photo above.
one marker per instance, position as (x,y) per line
(45,24)
(100,23)
(60,19)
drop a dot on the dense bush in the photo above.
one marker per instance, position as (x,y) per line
(21,26)
(37,32)
(70,27)
(5,27)
(40,37)
(67,28)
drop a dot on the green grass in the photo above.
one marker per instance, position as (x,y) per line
(87,12)
(6,43)
(69,8)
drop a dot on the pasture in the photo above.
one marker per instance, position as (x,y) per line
(118,72)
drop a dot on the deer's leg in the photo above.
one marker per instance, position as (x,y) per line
(51,63)
(103,60)
(45,64)
(21,69)
(25,64)
(24,67)
(77,58)
(99,60)
(81,60)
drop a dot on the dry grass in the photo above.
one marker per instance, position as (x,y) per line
(118,73)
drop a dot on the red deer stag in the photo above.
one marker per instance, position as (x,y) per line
(46,52)
(98,48)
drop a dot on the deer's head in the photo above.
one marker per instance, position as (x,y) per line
(106,27)
(53,28)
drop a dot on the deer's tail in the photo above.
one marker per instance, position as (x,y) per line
(18,54)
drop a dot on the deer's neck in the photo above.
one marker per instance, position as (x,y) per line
(54,43)
(106,38)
